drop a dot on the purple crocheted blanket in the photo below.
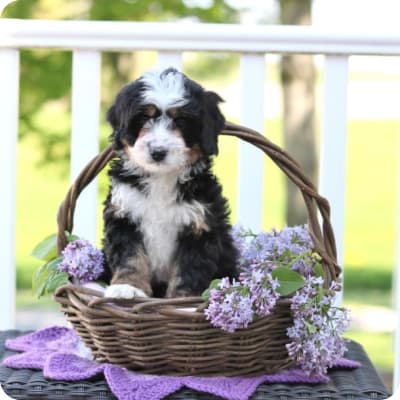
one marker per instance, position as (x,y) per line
(61,355)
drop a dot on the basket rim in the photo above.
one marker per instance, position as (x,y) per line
(93,301)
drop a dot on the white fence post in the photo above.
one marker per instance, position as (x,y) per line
(9,94)
(250,178)
(332,174)
(85,134)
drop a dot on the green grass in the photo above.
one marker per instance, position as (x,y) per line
(26,299)
(367,297)
(367,277)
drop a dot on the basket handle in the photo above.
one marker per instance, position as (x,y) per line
(324,240)
(65,215)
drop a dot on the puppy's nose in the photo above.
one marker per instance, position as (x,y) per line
(158,154)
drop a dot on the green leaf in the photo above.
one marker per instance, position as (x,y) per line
(39,280)
(213,285)
(320,295)
(43,275)
(41,290)
(318,270)
(206,294)
(310,327)
(289,280)
(244,291)
(46,250)
(71,237)
(56,280)
(53,264)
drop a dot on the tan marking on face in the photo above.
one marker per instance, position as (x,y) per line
(126,147)
(150,110)
(174,112)
(178,112)
(195,154)
(135,272)
(124,142)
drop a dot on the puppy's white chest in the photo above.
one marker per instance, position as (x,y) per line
(159,215)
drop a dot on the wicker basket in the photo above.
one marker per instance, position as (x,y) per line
(161,336)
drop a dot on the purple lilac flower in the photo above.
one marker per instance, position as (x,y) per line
(316,336)
(239,235)
(274,245)
(229,308)
(82,261)
(262,288)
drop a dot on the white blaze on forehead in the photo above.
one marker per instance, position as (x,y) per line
(165,90)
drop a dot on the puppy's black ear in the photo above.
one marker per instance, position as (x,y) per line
(120,113)
(115,122)
(112,117)
(213,123)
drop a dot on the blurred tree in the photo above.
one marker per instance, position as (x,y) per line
(46,74)
(298,82)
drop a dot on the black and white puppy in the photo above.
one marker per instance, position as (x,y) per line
(166,229)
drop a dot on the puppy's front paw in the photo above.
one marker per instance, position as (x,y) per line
(123,291)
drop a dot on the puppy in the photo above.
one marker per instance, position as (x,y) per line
(166,229)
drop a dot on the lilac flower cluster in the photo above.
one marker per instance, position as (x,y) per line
(274,246)
(235,305)
(262,288)
(316,335)
(82,261)
(230,306)
(316,341)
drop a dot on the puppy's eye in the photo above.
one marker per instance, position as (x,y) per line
(143,120)
(180,122)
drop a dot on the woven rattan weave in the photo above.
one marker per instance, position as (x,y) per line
(161,335)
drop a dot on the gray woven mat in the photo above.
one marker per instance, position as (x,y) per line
(359,384)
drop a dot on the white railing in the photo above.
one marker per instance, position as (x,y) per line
(88,39)
(9,84)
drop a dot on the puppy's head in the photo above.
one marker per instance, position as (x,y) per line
(165,122)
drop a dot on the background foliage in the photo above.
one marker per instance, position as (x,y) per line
(46,74)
